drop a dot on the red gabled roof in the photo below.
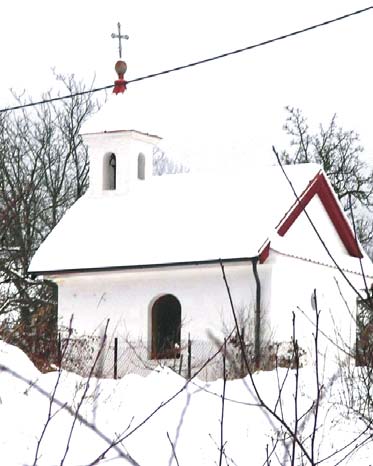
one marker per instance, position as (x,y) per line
(319,186)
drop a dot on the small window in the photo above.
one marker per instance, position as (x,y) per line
(364,332)
(166,326)
(141,167)
(110,172)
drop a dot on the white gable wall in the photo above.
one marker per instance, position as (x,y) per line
(293,283)
(301,237)
(309,268)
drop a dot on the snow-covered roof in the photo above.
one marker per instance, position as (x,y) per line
(174,219)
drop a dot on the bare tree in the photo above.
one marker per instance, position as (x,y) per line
(43,171)
(340,153)
(163,165)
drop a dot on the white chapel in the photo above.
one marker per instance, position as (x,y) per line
(147,253)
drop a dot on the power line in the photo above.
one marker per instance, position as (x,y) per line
(199,62)
(254,46)
(54,99)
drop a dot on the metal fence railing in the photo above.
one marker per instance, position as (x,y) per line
(117,357)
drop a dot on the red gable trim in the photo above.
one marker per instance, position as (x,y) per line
(320,186)
(263,256)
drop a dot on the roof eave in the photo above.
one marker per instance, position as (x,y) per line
(49,273)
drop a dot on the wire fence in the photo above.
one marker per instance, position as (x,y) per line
(119,356)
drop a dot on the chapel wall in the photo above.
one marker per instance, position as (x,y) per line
(294,282)
(126,297)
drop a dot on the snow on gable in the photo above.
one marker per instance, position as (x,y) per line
(301,238)
(322,187)
(334,236)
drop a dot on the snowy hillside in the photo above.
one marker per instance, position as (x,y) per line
(187,430)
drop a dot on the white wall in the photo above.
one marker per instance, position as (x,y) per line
(126,145)
(287,284)
(126,297)
(301,235)
(294,281)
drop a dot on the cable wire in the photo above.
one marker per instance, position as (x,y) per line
(54,99)
(196,63)
(250,47)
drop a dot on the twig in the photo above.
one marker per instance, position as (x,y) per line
(228,460)
(360,260)
(158,408)
(264,405)
(267,461)
(280,387)
(173,449)
(324,334)
(318,386)
(66,407)
(83,397)
(349,444)
(222,445)
(296,415)
(230,400)
(52,398)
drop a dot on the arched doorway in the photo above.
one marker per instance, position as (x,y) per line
(166,326)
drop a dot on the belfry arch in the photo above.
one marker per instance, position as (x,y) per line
(109,172)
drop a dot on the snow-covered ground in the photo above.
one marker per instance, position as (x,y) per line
(184,431)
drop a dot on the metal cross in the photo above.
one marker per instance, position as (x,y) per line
(119,37)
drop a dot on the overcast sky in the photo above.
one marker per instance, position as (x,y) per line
(225,112)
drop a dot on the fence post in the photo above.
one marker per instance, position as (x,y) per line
(189,357)
(115,358)
(59,351)
(242,353)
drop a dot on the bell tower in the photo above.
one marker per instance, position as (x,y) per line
(119,157)
(119,160)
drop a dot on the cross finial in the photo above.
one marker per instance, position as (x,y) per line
(119,37)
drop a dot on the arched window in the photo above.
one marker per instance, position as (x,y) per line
(110,172)
(141,167)
(166,326)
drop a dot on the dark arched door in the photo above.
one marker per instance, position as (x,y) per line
(166,326)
